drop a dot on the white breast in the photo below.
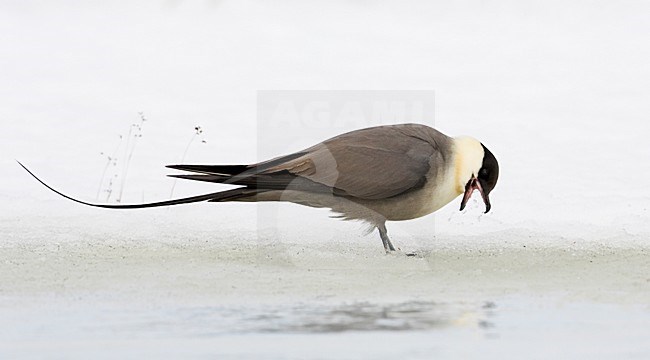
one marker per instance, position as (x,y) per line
(436,193)
(445,186)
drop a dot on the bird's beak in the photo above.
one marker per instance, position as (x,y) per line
(475,184)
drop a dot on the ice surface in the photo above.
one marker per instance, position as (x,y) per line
(557,91)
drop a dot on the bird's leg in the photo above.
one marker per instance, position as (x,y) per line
(383,233)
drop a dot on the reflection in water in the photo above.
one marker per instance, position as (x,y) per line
(310,318)
(328,330)
(360,317)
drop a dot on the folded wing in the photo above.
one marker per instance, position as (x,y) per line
(373,163)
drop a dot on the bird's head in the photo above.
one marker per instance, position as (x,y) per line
(476,169)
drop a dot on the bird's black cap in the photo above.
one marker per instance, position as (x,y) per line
(489,172)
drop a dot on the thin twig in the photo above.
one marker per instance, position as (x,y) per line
(130,150)
(197,131)
(109,159)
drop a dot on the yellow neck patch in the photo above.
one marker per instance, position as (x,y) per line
(468,158)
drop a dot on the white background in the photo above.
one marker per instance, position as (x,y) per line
(557,90)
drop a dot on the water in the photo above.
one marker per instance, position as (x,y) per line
(517,326)
(131,285)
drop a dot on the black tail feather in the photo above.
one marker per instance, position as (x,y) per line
(276,181)
(212,169)
(217,196)
(281,180)
(234,194)
(208,178)
(237,170)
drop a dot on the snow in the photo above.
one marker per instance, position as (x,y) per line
(556,91)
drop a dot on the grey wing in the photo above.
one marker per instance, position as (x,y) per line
(374,163)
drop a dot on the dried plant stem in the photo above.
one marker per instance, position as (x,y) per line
(109,190)
(109,159)
(187,148)
(125,169)
(130,148)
